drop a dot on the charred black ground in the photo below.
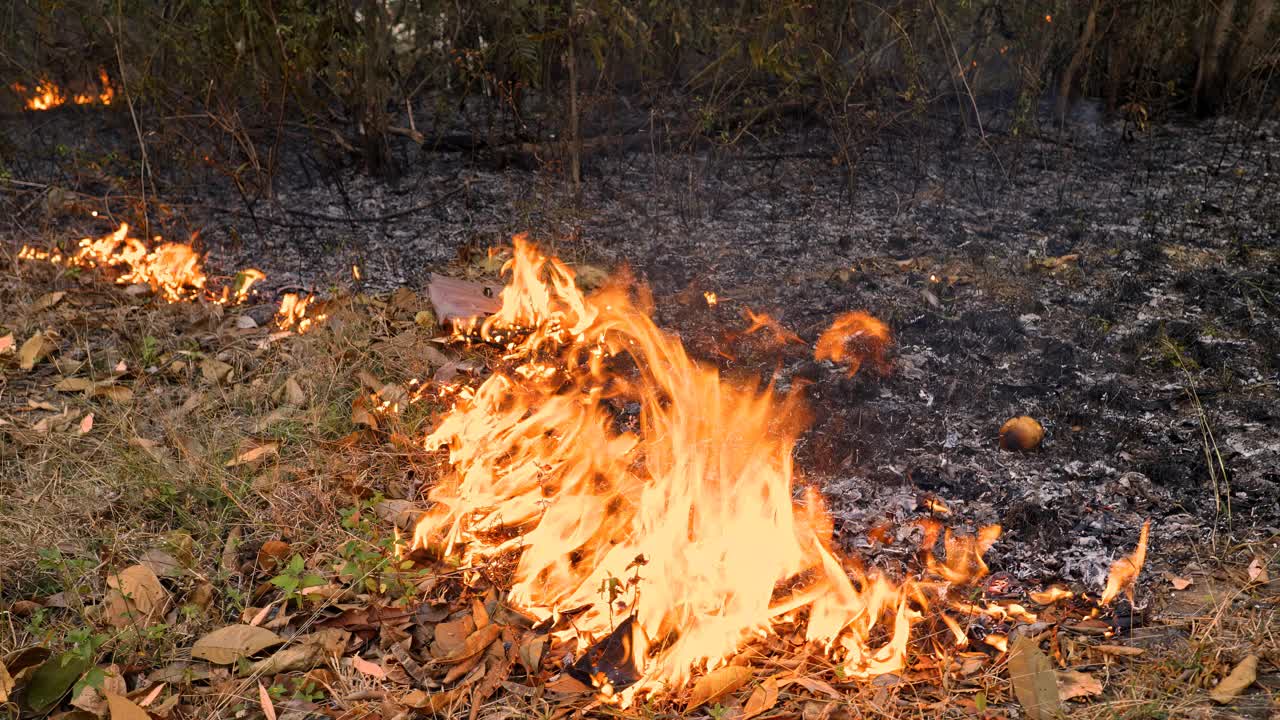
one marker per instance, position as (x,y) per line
(1121,291)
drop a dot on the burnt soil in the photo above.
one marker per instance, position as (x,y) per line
(1122,291)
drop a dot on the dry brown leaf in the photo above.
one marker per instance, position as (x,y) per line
(86,424)
(162,563)
(307,652)
(151,696)
(716,684)
(1034,682)
(114,393)
(1178,583)
(46,301)
(1119,650)
(73,384)
(135,597)
(215,371)
(93,700)
(6,683)
(371,669)
(264,699)
(122,708)
(814,685)
(6,344)
(253,455)
(35,348)
(450,636)
(1258,571)
(475,644)
(479,613)
(430,703)
(272,555)
(762,699)
(226,645)
(1241,676)
(1073,684)
(360,414)
(291,393)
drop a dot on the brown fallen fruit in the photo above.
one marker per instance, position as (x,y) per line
(1021,433)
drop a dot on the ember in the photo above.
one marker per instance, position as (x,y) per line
(681,530)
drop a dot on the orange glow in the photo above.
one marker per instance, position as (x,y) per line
(764,321)
(1048,18)
(173,270)
(685,522)
(1124,572)
(711,298)
(295,313)
(854,338)
(47,95)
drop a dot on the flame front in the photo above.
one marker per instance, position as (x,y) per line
(46,95)
(639,483)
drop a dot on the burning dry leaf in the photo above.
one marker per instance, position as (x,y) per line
(253,455)
(1124,572)
(1034,682)
(47,301)
(1021,433)
(360,414)
(762,699)
(33,350)
(227,645)
(853,339)
(1073,684)
(1258,571)
(135,598)
(86,424)
(716,684)
(1241,676)
(264,699)
(1050,595)
(122,708)
(6,344)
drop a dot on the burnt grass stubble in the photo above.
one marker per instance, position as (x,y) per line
(1177,233)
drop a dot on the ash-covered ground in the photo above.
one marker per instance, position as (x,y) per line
(1121,291)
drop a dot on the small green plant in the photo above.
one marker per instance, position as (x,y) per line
(295,578)
(150,351)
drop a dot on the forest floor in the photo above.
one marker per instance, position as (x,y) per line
(170,470)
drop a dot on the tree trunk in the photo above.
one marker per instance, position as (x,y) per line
(1077,59)
(1254,42)
(575,136)
(1208,88)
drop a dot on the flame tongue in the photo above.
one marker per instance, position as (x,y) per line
(684,518)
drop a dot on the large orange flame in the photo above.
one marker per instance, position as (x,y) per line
(635,481)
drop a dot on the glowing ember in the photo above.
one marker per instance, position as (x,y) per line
(854,338)
(172,270)
(711,298)
(763,321)
(679,531)
(46,95)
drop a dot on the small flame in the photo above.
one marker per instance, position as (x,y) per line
(764,321)
(1124,572)
(295,313)
(711,298)
(854,338)
(46,95)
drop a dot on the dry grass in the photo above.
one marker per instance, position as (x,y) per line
(151,474)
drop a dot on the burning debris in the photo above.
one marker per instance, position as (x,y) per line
(174,272)
(649,506)
(46,95)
